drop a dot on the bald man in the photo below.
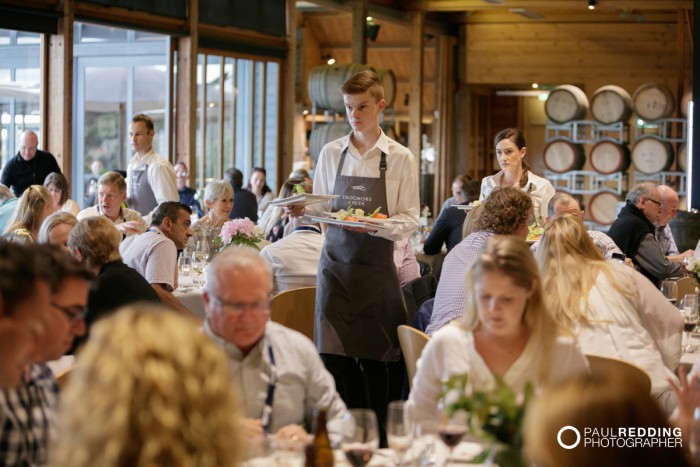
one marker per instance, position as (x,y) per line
(669,208)
(29,166)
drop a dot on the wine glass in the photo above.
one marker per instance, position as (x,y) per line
(689,308)
(669,289)
(361,436)
(199,261)
(424,433)
(451,429)
(399,431)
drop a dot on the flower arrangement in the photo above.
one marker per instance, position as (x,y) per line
(494,416)
(240,232)
(693,267)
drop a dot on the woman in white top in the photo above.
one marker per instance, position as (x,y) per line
(218,199)
(614,310)
(506,332)
(510,151)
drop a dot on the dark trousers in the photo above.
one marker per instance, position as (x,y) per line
(361,383)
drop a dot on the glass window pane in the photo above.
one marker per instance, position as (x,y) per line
(200,120)
(5,36)
(150,84)
(244,114)
(271,123)
(95,33)
(24,38)
(212,108)
(229,98)
(258,112)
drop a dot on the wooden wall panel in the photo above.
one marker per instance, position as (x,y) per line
(590,55)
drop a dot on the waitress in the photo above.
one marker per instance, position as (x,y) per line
(359,302)
(510,151)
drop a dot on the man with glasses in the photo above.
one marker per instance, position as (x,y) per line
(634,232)
(278,373)
(669,209)
(27,412)
(111,193)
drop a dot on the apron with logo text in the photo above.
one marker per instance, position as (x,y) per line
(359,302)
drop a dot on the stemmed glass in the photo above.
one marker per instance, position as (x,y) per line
(361,436)
(669,289)
(199,261)
(399,431)
(451,429)
(689,308)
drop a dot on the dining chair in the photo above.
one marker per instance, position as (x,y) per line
(686,285)
(412,342)
(628,370)
(294,308)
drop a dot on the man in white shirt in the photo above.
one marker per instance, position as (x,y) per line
(150,178)
(111,192)
(294,258)
(154,253)
(278,373)
(669,208)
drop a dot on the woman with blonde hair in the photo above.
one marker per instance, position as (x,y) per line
(150,389)
(33,207)
(56,228)
(505,332)
(607,403)
(612,309)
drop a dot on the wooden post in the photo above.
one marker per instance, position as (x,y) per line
(415,113)
(445,95)
(58,138)
(287,94)
(359,31)
(187,50)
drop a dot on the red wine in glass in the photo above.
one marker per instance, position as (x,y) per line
(688,326)
(358,456)
(451,435)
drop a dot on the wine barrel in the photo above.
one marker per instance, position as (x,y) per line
(651,155)
(685,100)
(682,157)
(611,104)
(686,229)
(609,157)
(653,101)
(561,156)
(565,103)
(325,82)
(602,207)
(326,132)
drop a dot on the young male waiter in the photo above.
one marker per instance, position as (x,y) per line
(359,302)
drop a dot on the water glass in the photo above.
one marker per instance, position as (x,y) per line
(669,289)
(184,266)
(399,431)
(425,435)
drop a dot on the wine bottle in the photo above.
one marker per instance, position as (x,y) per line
(319,453)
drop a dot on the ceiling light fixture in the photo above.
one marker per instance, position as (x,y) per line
(328,59)
(591,4)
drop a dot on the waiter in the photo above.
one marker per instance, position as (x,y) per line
(359,302)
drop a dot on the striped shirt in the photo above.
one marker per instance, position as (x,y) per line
(452,291)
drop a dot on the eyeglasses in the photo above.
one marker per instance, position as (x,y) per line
(658,203)
(240,307)
(73,313)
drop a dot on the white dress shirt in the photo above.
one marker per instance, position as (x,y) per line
(540,191)
(125,215)
(294,259)
(161,175)
(401,180)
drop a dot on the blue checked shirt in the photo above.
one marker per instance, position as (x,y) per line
(27,415)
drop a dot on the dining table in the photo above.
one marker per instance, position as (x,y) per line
(190,295)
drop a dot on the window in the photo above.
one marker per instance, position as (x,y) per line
(20,90)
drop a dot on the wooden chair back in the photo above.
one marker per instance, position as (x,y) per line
(412,342)
(295,309)
(686,285)
(63,377)
(628,370)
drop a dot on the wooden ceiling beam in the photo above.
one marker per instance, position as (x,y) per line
(568,16)
(579,5)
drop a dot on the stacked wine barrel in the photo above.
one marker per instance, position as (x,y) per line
(609,105)
(324,91)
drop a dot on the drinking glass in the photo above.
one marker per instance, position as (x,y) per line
(669,289)
(689,308)
(399,431)
(184,265)
(451,429)
(424,433)
(361,436)
(200,255)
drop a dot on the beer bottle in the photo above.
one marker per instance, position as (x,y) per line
(319,453)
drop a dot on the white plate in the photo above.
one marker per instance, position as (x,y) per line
(371,220)
(303,199)
(464,207)
(332,221)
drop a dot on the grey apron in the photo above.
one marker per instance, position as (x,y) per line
(141,197)
(359,302)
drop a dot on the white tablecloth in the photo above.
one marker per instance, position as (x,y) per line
(189,296)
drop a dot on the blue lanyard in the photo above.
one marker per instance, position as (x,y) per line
(267,409)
